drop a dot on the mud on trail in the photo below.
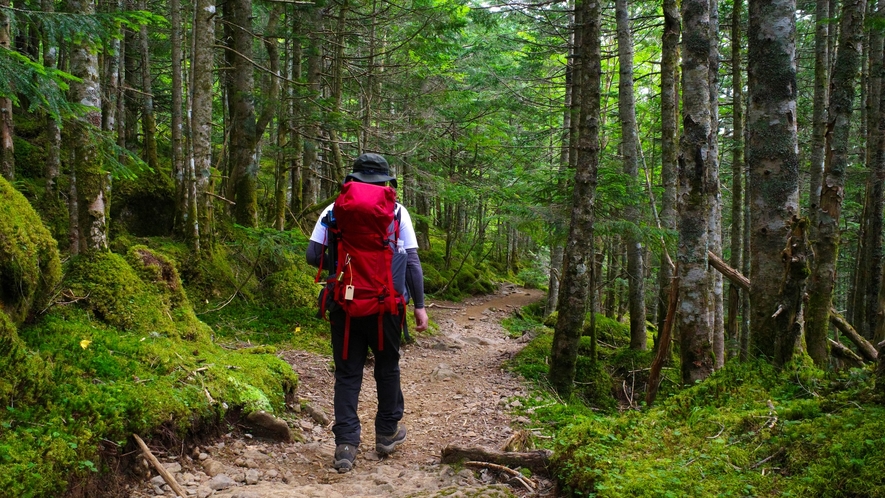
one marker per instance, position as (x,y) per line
(456,393)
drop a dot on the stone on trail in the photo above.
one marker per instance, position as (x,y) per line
(274,426)
(221,481)
(442,372)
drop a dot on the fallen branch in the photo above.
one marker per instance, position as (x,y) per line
(842,351)
(654,374)
(535,460)
(764,460)
(162,470)
(529,485)
(733,276)
(434,305)
(867,350)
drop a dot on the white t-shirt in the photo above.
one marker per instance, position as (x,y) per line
(406,230)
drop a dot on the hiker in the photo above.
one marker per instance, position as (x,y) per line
(354,333)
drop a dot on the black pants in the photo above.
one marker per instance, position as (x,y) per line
(349,374)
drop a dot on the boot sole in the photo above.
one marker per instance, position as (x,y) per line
(386,449)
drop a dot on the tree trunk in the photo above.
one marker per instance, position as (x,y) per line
(629,154)
(827,238)
(129,116)
(7,150)
(774,172)
(311,172)
(819,117)
(737,176)
(178,167)
(296,129)
(875,203)
(669,142)
(577,281)
(201,184)
(92,180)
(694,322)
(53,130)
(148,120)
(715,194)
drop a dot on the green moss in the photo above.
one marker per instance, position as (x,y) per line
(107,286)
(25,377)
(29,264)
(747,431)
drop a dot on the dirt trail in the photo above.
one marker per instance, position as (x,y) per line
(456,393)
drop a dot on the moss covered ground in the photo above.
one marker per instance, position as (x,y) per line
(748,430)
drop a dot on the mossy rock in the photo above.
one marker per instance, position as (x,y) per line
(107,286)
(29,264)
(161,273)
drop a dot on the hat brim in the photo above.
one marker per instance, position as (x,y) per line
(370,178)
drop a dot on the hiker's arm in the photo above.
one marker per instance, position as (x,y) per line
(316,253)
(415,283)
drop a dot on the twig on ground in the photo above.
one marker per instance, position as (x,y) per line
(529,485)
(157,465)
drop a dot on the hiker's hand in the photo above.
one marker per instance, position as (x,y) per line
(420,319)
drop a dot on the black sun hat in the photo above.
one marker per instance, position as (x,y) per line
(371,168)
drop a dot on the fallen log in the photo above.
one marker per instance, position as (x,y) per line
(847,355)
(536,460)
(867,350)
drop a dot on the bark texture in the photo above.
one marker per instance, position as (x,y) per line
(200,183)
(737,176)
(91,179)
(669,143)
(694,320)
(773,184)
(578,259)
(826,229)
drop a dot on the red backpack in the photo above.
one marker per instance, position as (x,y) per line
(362,238)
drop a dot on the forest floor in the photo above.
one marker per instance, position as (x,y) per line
(456,393)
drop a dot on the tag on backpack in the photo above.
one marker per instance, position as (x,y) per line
(348,293)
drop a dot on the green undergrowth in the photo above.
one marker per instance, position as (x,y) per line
(748,430)
(119,350)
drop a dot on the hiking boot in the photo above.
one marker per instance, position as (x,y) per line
(345,454)
(385,445)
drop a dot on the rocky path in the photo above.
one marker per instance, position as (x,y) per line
(456,393)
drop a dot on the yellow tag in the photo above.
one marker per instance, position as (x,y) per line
(85,343)
(348,293)
(297,329)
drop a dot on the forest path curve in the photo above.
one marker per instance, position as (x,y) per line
(455,390)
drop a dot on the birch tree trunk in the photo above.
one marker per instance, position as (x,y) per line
(827,237)
(630,157)
(577,269)
(178,167)
(694,321)
(200,184)
(91,178)
(773,185)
